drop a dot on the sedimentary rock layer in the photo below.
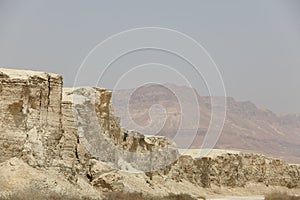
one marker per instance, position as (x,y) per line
(30,116)
(233,170)
(75,133)
(100,133)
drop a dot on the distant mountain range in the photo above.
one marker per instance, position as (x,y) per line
(246,127)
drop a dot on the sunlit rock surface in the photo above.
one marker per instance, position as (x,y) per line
(69,140)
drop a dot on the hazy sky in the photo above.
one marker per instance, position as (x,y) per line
(255,44)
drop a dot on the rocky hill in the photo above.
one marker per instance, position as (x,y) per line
(246,127)
(69,141)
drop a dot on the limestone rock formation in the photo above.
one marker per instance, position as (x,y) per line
(235,170)
(99,131)
(69,140)
(30,121)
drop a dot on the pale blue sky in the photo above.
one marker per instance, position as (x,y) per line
(256,44)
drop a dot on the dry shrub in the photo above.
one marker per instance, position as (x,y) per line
(178,197)
(280,196)
(127,196)
(35,194)
(139,196)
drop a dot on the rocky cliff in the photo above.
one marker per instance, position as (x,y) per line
(30,107)
(235,170)
(69,140)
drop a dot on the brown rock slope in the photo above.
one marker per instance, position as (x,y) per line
(246,128)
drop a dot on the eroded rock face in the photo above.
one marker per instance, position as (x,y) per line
(233,170)
(75,133)
(30,116)
(99,131)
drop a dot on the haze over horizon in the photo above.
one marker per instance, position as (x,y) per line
(257,54)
